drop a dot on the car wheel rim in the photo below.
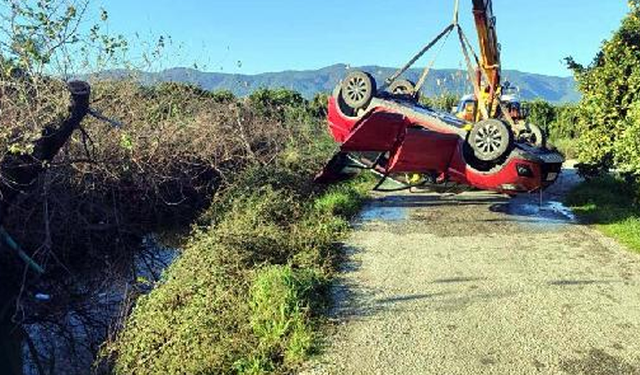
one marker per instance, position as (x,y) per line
(489,140)
(357,89)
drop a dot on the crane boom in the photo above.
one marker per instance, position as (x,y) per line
(489,47)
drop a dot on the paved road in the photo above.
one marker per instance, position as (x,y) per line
(480,284)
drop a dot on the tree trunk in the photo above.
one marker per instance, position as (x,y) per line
(20,172)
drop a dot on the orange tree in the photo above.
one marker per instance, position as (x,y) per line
(609,112)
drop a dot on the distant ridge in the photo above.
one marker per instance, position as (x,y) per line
(311,82)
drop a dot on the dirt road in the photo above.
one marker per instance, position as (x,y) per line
(481,284)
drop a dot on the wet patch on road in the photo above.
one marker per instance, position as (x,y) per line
(388,209)
(535,214)
(460,216)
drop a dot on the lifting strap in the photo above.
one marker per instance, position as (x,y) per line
(417,57)
(427,70)
(466,46)
(468,51)
(477,90)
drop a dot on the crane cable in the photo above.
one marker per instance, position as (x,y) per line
(417,57)
(444,34)
(427,70)
(477,90)
(503,109)
(466,49)
(425,73)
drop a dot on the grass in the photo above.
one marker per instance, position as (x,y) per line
(246,295)
(611,205)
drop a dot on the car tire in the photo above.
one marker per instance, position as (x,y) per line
(403,88)
(533,135)
(357,89)
(490,140)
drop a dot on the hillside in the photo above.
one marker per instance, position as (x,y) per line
(310,82)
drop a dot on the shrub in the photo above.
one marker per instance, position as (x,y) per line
(242,296)
(611,88)
(444,102)
(541,113)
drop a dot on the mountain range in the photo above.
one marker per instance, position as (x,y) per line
(311,82)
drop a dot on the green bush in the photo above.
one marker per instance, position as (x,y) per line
(444,102)
(275,102)
(541,113)
(611,89)
(559,122)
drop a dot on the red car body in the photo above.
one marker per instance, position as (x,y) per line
(418,140)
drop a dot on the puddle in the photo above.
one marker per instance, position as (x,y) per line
(562,209)
(549,213)
(383,210)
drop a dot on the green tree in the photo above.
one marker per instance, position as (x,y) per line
(444,102)
(541,113)
(608,118)
(48,37)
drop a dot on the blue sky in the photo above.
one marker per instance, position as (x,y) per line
(278,35)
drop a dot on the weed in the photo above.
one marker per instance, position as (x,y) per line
(244,296)
(611,204)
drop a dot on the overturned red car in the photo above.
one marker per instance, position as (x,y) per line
(411,144)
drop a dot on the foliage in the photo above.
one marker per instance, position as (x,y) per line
(444,102)
(247,164)
(565,122)
(558,121)
(611,89)
(318,105)
(280,300)
(541,113)
(47,35)
(242,296)
(266,100)
(613,205)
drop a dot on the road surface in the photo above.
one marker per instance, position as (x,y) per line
(481,284)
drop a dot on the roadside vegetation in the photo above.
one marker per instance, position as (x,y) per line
(610,204)
(559,122)
(245,294)
(608,129)
(247,289)
(231,176)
